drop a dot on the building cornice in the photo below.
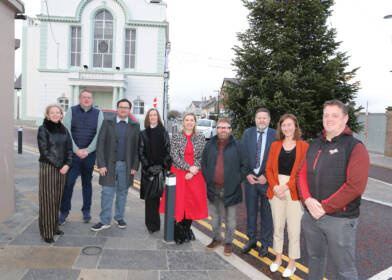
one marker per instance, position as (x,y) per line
(132,23)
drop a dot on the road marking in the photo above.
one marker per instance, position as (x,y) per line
(377,201)
(383,275)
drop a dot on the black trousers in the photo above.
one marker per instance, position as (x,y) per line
(152,218)
(51,187)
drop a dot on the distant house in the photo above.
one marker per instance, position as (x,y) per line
(210,108)
(195,107)
(222,94)
(17,97)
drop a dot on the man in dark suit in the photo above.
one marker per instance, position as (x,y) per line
(118,161)
(256,143)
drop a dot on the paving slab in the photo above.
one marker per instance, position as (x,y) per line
(102,274)
(38,257)
(133,259)
(58,274)
(80,241)
(12,273)
(143,275)
(185,275)
(183,260)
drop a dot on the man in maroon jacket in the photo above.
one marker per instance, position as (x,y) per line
(331,181)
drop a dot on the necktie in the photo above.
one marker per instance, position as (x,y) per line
(258,148)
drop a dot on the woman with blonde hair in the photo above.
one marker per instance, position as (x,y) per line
(191,194)
(55,148)
(285,155)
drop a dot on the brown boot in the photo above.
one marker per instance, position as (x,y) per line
(213,245)
(228,249)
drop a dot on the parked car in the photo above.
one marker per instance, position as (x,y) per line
(208,127)
(111,113)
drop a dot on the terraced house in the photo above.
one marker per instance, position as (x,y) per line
(114,48)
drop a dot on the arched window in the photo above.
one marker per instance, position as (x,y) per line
(103,40)
(138,106)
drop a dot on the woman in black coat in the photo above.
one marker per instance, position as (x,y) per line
(55,148)
(154,155)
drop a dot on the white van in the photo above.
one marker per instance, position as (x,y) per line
(208,127)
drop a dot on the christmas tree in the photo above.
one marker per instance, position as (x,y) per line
(288,61)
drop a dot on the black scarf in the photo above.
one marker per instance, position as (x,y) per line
(156,150)
(53,127)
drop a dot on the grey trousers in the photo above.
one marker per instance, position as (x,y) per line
(216,210)
(333,235)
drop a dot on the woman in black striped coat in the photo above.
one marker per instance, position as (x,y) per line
(55,148)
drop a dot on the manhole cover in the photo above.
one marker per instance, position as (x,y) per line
(91,250)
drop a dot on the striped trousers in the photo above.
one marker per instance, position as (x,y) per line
(51,188)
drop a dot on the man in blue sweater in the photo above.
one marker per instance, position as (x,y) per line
(83,122)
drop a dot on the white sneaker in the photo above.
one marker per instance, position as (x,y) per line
(274,267)
(288,273)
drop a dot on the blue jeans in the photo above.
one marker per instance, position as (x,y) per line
(257,202)
(84,168)
(107,195)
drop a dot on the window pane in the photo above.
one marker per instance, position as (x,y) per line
(99,15)
(79,45)
(133,34)
(97,60)
(133,46)
(127,34)
(74,30)
(126,47)
(78,59)
(108,16)
(73,59)
(107,61)
(132,62)
(126,61)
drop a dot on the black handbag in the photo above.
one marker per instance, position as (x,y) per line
(154,182)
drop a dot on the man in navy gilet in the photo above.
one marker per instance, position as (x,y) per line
(83,121)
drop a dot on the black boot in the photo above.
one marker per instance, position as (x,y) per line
(179,233)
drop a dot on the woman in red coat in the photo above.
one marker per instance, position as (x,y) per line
(186,150)
(284,158)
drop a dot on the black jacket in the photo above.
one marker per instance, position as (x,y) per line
(234,170)
(55,144)
(144,143)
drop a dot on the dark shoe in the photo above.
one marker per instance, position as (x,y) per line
(86,217)
(99,226)
(49,240)
(263,251)
(248,246)
(62,218)
(228,250)
(191,235)
(59,232)
(213,245)
(121,224)
(179,234)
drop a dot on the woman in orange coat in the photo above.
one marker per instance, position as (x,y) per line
(284,158)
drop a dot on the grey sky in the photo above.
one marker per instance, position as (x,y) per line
(203,32)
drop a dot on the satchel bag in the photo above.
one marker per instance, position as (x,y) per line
(154,183)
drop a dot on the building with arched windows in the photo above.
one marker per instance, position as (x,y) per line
(113,48)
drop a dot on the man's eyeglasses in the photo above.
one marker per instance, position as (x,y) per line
(224,127)
(125,108)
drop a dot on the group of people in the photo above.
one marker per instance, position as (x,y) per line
(316,187)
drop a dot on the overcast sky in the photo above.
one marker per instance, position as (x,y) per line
(203,32)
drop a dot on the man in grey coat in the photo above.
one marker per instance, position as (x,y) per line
(118,161)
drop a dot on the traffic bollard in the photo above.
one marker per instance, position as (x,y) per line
(170,200)
(20,140)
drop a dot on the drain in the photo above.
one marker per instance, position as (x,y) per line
(91,250)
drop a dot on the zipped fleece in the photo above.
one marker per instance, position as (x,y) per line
(335,173)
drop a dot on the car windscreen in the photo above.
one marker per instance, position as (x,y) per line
(204,123)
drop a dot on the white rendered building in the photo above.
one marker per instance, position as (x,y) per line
(114,48)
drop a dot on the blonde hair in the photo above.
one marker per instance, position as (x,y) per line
(194,117)
(52,106)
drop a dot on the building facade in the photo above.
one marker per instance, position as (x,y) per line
(8,12)
(113,48)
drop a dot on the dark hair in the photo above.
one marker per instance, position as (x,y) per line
(223,120)
(279,132)
(335,102)
(147,118)
(265,110)
(124,100)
